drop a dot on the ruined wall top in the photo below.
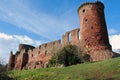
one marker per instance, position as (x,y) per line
(25,46)
(91,3)
(73,34)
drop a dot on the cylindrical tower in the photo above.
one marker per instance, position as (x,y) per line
(93,31)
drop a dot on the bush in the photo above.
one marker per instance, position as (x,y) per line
(3,66)
(86,58)
(3,69)
(66,56)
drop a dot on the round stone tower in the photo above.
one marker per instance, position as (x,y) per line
(93,31)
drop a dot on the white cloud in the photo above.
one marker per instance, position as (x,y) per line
(20,15)
(10,43)
(115,41)
(4,36)
(112,31)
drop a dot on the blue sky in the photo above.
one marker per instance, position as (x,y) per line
(37,21)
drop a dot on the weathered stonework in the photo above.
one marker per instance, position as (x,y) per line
(29,57)
(92,37)
(11,61)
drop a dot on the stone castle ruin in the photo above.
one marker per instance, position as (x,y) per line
(91,37)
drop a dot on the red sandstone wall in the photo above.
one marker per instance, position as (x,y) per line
(40,56)
(75,34)
(11,61)
(93,30)
(25,46)
(71,37)
(29,57)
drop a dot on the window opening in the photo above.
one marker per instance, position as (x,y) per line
(69,37)
(91,27)
(78,34)
(83,10)
(86,20)
(32,55)
(46,52)
(100,8)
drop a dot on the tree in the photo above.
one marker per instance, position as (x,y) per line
(3,68)
(86,58)
(66,56)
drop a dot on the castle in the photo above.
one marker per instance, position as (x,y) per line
(91,37)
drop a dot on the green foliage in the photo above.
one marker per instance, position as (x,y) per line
(66,56)
(3,69)
(104,70)
(86,58)
(2,66)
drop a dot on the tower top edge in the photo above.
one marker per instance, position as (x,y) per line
(90,3)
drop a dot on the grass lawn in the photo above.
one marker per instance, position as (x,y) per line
(104,70)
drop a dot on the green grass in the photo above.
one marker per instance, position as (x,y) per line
(104,70)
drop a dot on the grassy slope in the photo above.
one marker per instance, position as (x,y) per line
(104,70)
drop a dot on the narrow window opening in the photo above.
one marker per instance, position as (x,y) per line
(37,63)
(38,52)
(46,52)
(26,50)
(91,27)
(69,37)
(39,46)
(45,45)
(32,55)
(61,41)
(100,8)
(85,39)
(83,10)
(86,20)
(53,43)
(79,35)
(12,64)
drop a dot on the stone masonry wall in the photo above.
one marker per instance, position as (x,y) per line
(94,36)
(29,57)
